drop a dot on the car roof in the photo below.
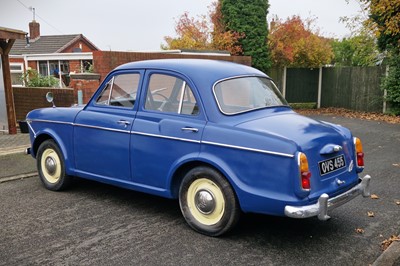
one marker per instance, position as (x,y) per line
(196,69)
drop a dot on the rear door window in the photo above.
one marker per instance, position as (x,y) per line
(170,94)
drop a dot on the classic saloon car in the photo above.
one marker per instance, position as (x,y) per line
(216,135)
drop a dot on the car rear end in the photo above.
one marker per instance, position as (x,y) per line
(328,162)
(328,175)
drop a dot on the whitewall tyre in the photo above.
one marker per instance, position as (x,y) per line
(208,202)
(51,166)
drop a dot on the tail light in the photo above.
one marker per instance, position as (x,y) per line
(359,152)
(305,174)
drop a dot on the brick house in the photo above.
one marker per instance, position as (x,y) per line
(49,55)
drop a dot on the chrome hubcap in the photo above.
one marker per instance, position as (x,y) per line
(51,165)
(204,201)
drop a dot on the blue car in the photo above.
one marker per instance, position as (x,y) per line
(216,135)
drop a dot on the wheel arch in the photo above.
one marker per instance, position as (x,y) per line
(180,173)
(207,198)
(43,136)
(185,167)
(38,141)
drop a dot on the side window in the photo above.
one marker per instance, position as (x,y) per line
(189,104)
(120,91)
(104,97)
(170,94)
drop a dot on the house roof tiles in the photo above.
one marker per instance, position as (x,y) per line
(47,44)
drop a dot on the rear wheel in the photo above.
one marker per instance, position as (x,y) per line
(208,202)
(51,166)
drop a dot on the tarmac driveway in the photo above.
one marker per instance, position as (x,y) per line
(95,224)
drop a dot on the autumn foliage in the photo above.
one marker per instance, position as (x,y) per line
(385,20)
(204,33)
(294,43)
(223,39)
(192,33)
(249,18)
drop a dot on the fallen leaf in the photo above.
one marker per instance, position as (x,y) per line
(374,196)
(386,243)
(360,231)
(351,114)
(396,164)
(371,214)
(398,202)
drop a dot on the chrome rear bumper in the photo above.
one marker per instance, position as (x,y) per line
(326,204)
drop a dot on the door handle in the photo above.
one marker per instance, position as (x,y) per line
(191,129)
(124,122)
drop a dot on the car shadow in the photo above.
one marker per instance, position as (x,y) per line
(254,226)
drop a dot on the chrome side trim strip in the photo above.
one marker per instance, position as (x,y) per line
(164,137)
(170,137)
(29,124)
(51,121)
(103,128)
(248,149)
(79,125)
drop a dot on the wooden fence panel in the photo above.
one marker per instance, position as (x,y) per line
(355,88)
(276,74)
(302,85)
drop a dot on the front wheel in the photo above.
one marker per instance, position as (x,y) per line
(51,166)
(208,202)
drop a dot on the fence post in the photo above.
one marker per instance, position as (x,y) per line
(284,82)
(319,88)
(385,91)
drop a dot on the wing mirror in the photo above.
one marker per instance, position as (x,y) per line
(50,98)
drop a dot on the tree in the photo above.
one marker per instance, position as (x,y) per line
(192,34)
(391,84)
(249,18)
(360,50)
(204,33)
(384,18)
(223,39)
(294,43)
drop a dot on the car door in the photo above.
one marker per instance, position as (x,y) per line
(168,128)
(102,129)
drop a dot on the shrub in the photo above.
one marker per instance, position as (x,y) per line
(33,79)
(303,105)
(391,83)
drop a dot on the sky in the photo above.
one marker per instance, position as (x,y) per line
(141,25)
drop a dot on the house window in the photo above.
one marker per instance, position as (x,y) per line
(49,68)
(16,70)
(43,68)
(64,67)
(86,65)
(54,70)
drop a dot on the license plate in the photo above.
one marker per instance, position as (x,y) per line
(331,165)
